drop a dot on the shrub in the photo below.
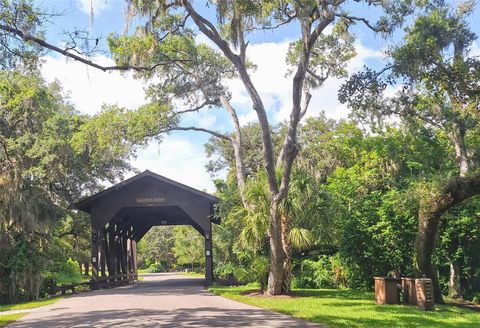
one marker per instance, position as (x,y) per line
(69,273)
(476,298)
(155,268)
(49,281)
(224,270)
(315,274)
(255,271)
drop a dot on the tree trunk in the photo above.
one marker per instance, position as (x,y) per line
(287,250)
(277,255)
(455,282)
(458,138)
(431,210)
(424,246)
(87,268)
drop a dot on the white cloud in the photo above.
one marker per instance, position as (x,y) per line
(326,98)
(94,7)
(275,87)
(181,156)
(268,77)
(203,119)
(475,49)
(179,159)
(90,88)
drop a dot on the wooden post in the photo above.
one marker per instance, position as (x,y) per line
(124,253)
(129,255)
(102,252)
(108,257)
(118,254)
(208,258)
(112,254)
(94,258)
(134,256)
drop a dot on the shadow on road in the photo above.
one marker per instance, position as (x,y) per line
(171,286)
(199,317)
(161,300)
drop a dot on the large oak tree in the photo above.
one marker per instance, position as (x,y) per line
(439,88)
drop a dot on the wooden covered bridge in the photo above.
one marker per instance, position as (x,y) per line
(122,214)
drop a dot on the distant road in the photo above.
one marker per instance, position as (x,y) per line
(160,300)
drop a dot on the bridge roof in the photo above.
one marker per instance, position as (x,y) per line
(85,204)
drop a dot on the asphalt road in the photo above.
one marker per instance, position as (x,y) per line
(160,300)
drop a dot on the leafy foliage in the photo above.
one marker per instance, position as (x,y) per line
(188,246)
(155,249)
(41,174)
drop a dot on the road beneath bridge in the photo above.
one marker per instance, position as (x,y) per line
(160,300)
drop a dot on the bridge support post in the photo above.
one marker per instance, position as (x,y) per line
(208,258)
(94,258)
(102,246)
(112,269)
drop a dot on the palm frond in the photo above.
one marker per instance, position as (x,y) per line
(300,238)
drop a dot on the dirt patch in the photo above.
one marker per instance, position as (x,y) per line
(257,293)
(466,305)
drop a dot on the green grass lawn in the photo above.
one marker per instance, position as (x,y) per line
(193,274)
(7,318)
(29,305)
(348,308)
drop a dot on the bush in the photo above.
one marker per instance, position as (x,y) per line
(49,281)
(256,271)
(315,274)
(69,273)
(155,268)
(476,298)
(224,270)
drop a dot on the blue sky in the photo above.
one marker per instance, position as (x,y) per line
(181,155)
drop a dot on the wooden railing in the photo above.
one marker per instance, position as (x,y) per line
(117,279)
(66,287)
(102,282)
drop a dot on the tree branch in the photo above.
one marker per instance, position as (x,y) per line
(193,128)
(307,97)
(288,20)
(176,29)
(66,53)
(289,149)
(320,79)
(210,31)
(4,146)
(197,108)
(237,150)
(363,20)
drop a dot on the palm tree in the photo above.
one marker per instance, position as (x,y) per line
(307,220)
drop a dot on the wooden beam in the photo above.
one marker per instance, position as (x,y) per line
(112,256)
(102,252)
(94,258)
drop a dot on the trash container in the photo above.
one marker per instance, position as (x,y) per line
(425,299)
(409,291)
(386,290)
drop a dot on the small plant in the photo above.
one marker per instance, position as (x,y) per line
(155,268)
(48,283)
(68,273)
(316,274)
